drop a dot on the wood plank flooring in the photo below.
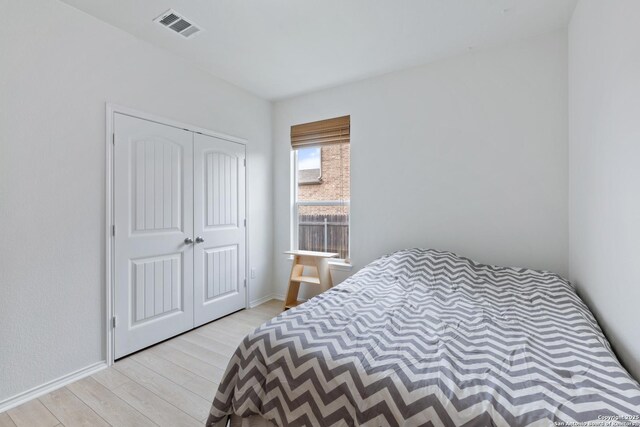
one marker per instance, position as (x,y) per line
(170,384)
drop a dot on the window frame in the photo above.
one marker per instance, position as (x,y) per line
(295,204)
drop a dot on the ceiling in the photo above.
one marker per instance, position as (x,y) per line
(280,48)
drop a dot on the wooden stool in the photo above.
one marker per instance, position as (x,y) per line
(322,278)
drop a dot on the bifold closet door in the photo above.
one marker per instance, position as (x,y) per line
(153,213)
(219,228)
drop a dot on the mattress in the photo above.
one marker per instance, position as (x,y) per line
(423,337)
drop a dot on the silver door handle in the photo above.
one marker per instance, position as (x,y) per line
(188,241)
(199,239)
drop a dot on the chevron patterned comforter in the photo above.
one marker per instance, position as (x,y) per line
(422,337)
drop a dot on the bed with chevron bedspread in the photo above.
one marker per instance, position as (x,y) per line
(422,337)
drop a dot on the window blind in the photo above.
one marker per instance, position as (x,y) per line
(330,131)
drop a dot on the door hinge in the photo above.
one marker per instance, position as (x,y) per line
(245,283)
(114,321)
(245,222)
(113,138)
(245,162)
(113,230)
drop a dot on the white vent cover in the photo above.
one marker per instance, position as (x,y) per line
(179,24)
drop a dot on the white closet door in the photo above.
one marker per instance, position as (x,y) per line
(219,227)
(153,210)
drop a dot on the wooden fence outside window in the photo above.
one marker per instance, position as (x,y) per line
(324,233)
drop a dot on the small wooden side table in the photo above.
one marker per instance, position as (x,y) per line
(318,261)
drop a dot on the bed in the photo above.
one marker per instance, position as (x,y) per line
(423,337)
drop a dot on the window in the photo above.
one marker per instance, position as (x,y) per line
(321,187)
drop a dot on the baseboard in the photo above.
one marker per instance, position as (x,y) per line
(269,297)
(257,302)
(45,388)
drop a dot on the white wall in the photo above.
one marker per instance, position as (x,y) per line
(58,67)
(468,154)
(604,168)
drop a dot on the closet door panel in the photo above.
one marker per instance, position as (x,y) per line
(153,212)
(219,214)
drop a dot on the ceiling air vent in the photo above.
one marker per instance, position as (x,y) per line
(179,24)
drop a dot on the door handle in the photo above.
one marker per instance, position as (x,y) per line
(188,241)
(199,239)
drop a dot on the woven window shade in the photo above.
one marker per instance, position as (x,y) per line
(330,131)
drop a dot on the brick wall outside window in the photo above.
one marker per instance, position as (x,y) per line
(335,182)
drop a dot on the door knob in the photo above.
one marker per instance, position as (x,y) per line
(188,241)
(199,239)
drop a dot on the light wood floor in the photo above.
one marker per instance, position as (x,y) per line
(170,384)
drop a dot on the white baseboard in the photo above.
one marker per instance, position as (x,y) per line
(45,388)
(257,302)
(262,300)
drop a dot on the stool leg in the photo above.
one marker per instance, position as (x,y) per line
(294,287)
